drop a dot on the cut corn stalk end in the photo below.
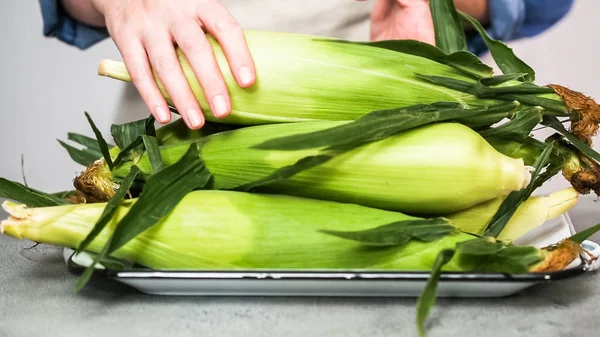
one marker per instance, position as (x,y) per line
(521,174)
(528,173)
(39,224)
(532,213)
(583,174)
(17,213)
(536,210)
(114,69)
(561,202)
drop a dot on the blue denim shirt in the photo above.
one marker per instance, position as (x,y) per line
(515,19)
(59,25)
(510,20)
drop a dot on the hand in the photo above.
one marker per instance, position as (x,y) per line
(402,19)
(144,32)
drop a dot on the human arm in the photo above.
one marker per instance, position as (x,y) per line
(84,11)
(145,31)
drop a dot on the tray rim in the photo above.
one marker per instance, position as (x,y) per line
(269,275)
(348,276)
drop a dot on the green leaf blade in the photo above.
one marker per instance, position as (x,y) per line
(461,60)
(554,123)
(534,100)
(527,148)
(101,142)
(126,153)
(449,33)
(151,145)
(468,63)
(161,193)
(429,295)
(525,92)
(28,196)
(518,127)
(64,194)
(368,128)
(500,79)
(504,57)
(450,83)
(83,157)
(388,122)
(510,205)
(487,255)
(127,136)
(88,272)
(110,208)
(479,246)
(584,234)
(399,233)
(482,91)
(90,143)
(124,134)
(107,214)
(287,172)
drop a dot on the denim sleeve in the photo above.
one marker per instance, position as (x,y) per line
(515,19)
(59,25)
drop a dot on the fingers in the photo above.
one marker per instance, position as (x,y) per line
(149,54)
(227,31)
(166,64)
(194,44)
(136,61)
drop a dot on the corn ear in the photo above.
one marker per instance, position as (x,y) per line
(303,78)
(224,229)
(439,168)
(532,213)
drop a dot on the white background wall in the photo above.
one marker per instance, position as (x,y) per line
(46,86)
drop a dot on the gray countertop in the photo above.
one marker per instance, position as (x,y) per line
(37,298)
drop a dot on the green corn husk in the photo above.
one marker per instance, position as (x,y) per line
(579,170)
(225,229)
(517,149)
(303,78)
(439,168)
(177,132)
(85,150)
(534,212)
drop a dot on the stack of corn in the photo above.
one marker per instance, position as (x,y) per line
(385,145)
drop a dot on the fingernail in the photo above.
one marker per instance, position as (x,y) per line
(245,75)
(220,106)
(194,117)
(162,114)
